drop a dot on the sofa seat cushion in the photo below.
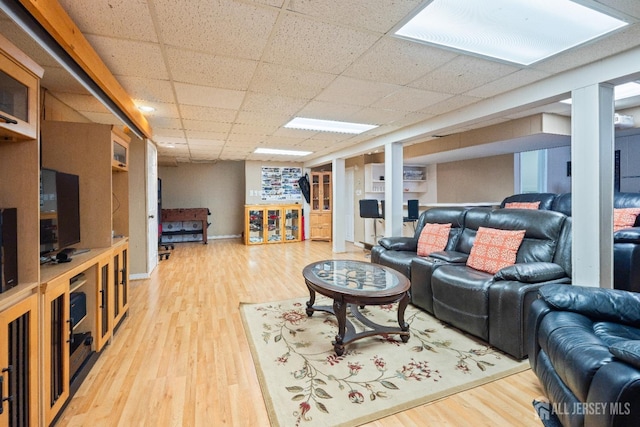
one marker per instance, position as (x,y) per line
(461,298)
(573,348)
(398,260)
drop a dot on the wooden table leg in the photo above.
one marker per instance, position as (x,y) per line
(340,310)
(404,326)
(312,300)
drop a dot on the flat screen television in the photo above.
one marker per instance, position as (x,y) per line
(59,210)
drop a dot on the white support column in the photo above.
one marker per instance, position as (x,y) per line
(338,208)
(393,163)
(592,145)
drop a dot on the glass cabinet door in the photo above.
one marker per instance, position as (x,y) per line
(256,227)
(326,192)
(292,224)
(315,192)
(274,226)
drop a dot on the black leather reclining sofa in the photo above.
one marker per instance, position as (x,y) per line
(584,346)
(626,242)
(491,307)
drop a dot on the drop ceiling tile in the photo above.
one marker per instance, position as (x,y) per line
(379,16)
(410,99)
(333,137)
(195,112)
(463,74)
(239,128)
(398,61)
(206,126)
(194,134)
(274,118)
(412,118)
(294,133)
(147,89)
(353,91)
(128,19)
(209,70)
(507,83)
(244,139)
(167,133)
(165,140)
(260,102)
(375,116)
(233,28)
(284,140)
(208,96)
(619,41)
(130,58)
(205,143)
(630,7)
(164,122)
(276,79)
(328,110)
(296,43)
(274,3)
(314,144)
(162,109)
(450,104)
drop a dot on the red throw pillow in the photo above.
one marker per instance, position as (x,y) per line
(522,205)
(494,249)
(433,238)
(624,218)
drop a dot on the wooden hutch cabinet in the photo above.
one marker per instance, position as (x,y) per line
(20,349)
(321,206)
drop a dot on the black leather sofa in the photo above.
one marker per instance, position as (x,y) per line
(626,243)
(584,346)
(491,307)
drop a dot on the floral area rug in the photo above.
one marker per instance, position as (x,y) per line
(304,383)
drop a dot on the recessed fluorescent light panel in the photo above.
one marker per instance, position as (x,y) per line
(518,31)
(328,126)
(623,91)
(281,152)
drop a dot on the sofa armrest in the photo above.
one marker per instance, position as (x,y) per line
(597,303)
(399,243)
(509,305)
(452,257)
(532,272)
(627,235)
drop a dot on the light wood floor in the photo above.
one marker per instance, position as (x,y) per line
(181,357)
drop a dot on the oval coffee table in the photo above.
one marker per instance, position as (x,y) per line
(357,284)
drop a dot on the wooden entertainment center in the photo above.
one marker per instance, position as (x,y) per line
(49,335)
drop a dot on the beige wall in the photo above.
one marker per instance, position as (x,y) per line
(218,186)
(487,179)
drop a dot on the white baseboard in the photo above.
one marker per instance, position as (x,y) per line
(230,236)
(139,276)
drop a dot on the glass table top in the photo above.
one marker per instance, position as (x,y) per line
(354,276)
